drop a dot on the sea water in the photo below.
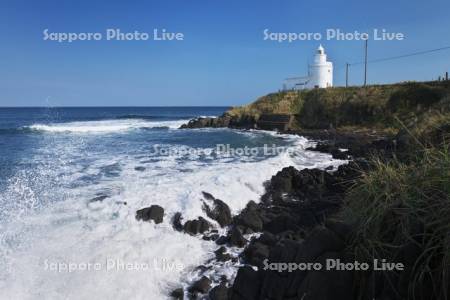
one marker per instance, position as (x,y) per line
(71,180)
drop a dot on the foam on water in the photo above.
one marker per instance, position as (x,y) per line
(106,126)
(78,230)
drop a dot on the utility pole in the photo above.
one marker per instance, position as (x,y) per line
(365,62)
(346,74)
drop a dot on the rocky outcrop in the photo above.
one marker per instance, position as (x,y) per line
(222,121)
(293,218)
(278,122)
(154,212)
(194,227)
(217,210)
(201,286)
(240,122)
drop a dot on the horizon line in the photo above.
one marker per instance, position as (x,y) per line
(121,106)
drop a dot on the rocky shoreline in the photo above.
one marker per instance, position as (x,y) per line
(296,221)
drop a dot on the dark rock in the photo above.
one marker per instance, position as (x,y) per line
(201,286)
(154,212)
(322,147)
(281,223)
(332,149)
(246,285)
(193,227)
(201,269)
(140,168)
(267,239)
(249,218)
(211,237)
(176,222)
(326,284)
(208,196)
(99,198)
(222,121)
(222,240)
(177,294)
(251,206)
(236,238)
(221,254)
(319,241)
(283,182)
(256,253)
(218,210)
(219,292)
(338,154)
(340,228)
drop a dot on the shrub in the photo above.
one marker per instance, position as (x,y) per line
(415,96)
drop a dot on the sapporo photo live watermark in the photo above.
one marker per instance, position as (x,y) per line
(333,34)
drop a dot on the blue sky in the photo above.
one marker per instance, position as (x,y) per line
(223,59)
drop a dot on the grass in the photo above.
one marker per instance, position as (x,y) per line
(377,106)
(402,212)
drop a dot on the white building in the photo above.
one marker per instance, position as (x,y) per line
(320,74)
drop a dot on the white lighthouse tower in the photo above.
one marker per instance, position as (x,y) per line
(320,71)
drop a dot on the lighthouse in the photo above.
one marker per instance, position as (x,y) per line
(320,72)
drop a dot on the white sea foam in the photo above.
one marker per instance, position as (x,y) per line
(106,126)
(80,231)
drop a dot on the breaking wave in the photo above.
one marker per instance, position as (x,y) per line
(105,126)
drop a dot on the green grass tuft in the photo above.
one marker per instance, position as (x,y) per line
(401,209)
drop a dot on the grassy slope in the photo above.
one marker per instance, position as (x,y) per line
(379,106)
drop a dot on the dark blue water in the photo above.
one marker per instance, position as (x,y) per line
(18,139)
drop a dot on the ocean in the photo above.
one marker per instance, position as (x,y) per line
(71,180)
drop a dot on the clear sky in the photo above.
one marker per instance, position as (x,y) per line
(223,59)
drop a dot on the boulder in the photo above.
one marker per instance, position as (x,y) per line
(154,212)
(193,227)
(249,218)
(319,241)
(281,223)
(236,238)
(222,240)
(256,253)
(177,294)
(327,284)
(246,285)
(221,254)
(200,286)
(208,196)
(176,221)
(219,292)
(218,210)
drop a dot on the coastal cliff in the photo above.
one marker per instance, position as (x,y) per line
(391,203)
(378,107)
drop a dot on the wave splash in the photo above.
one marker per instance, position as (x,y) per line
(105,126)
(74,229)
